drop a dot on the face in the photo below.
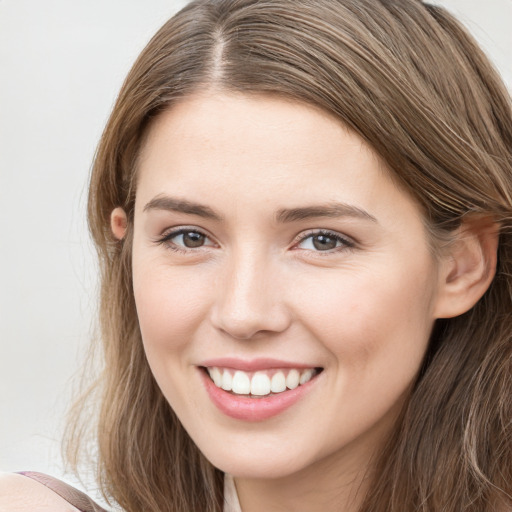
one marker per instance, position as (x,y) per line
(284,285)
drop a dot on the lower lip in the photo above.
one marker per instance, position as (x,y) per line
(244,408)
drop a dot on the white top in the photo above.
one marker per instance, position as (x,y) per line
(231,503)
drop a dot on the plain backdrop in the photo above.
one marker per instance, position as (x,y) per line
(62,63)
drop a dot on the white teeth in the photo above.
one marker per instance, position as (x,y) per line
(278,383)
(260,384)
(216,376)
(305,376)
(241,384)
(227,381)
(292,379)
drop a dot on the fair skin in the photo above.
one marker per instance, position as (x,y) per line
(270,237)
(248,274)
(21,494)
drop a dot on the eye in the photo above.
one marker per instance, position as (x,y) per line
(323,241)
(189,239)
(184,239)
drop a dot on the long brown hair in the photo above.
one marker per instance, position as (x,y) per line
(407,78)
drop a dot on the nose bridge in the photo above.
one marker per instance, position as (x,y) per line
(249,299)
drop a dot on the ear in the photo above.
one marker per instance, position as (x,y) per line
(118,223)
(468,266)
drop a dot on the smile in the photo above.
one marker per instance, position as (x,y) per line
(260,383)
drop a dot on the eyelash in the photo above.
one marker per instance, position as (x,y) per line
(166,239)
(345,243)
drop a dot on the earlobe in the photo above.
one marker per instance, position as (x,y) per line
(468,267)
(118,223)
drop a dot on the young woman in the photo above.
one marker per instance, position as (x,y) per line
(303,216)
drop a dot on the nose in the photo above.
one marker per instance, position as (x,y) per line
(250,299)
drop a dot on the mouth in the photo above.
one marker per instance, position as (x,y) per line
(261,383)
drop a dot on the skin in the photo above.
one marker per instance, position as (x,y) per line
(363,310)
(21,494)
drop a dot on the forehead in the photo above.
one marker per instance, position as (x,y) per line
(240,150)
(209,118)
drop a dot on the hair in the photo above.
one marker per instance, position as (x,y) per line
(410,80)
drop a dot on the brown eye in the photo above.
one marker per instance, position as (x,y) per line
(193,239)
(184,239)
(324,242)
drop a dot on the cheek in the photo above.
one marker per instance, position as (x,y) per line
(367,319)
(376,329)
(171,304)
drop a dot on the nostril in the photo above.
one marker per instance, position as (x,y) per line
(250,324)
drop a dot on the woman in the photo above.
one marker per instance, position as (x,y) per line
(302,212)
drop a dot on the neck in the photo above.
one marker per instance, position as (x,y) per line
(336,482)
(282,495)
(333,484)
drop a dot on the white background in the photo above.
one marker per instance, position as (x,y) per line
(62,63)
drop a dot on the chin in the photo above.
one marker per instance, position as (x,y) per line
(257,458)
(257,467)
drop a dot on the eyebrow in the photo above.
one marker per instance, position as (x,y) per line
(182,206)
(330,210)
(283,216)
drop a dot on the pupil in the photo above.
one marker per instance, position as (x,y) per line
(324,243)
(192,239)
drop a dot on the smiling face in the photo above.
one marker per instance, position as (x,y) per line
(272,250)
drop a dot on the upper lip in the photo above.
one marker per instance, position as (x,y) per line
(252,365)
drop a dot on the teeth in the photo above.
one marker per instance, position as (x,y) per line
(278,383)
(227,381)
(292,380)
(241,384)
(260,384)
(216,376)
(306,376)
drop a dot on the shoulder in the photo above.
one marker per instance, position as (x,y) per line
(21,494)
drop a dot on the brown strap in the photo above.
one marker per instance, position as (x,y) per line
(73,496)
